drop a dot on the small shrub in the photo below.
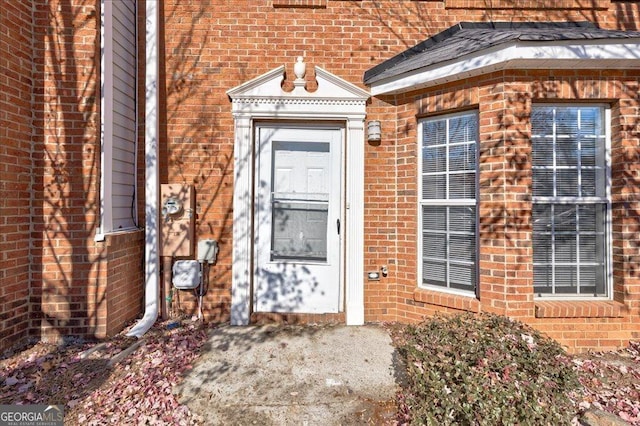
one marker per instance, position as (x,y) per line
(486,369)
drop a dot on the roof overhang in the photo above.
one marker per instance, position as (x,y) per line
(588,54)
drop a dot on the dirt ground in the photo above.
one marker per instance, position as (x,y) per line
(611,382)
(98,385)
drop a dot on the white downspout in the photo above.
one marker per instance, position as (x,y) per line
(152,180)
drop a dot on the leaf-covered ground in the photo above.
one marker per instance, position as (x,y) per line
(97,388)
(138,388)
(611,382)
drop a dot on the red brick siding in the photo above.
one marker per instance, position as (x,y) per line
(79,286)
(216,45)
(300,3)
(211,46)
(528,4)
(16,56)
(67,263)
(504,105)
(125,283)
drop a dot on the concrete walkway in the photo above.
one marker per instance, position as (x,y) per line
(294,375)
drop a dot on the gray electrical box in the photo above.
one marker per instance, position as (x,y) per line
(207,251)
(186,274)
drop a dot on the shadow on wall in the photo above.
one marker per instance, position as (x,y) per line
(67,292)
(192,151)
(511,141)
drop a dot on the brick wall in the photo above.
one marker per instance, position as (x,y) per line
(56,280)
(125,284)
(216,45)
(16,56)
(212,46)
(67,263)
(503,101)
(78,284)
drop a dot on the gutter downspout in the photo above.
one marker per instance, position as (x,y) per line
(152,180)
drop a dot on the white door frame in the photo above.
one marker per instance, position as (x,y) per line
(334,136)
(334,100)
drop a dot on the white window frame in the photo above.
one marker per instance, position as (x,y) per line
(606,200)
(456,202)
(107,145)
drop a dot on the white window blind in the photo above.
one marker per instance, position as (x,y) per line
(448,201)
(570,201)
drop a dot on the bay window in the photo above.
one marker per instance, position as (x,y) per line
(571,200)
(448,213)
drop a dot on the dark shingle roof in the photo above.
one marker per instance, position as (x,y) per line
(471,37)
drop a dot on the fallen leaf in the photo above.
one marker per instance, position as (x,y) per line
(10,381)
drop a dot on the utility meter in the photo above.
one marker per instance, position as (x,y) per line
(177,217)
(172,206)
(186,274)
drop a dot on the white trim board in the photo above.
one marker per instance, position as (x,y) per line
(517,55)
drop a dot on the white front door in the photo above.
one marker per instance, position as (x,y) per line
(298,218)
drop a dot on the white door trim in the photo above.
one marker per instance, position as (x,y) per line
(315,291)
(263,99)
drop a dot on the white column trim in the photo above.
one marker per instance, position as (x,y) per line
(242,224)
(354,268)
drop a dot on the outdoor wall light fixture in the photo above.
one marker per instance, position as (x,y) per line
(373,131)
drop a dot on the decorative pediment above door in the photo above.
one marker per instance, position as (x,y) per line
(265,95)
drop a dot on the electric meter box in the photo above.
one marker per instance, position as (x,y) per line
(177,220)
(186,274)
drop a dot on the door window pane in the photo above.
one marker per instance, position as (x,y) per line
(300,200)
(299,230)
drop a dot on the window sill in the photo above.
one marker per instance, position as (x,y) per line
(102,236)
(300,4)
(447,300)
(120,236)
(579,309)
